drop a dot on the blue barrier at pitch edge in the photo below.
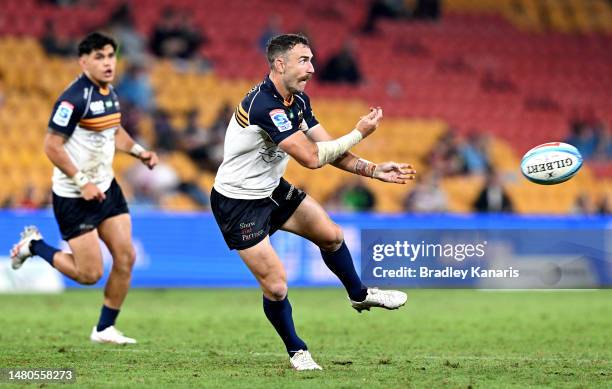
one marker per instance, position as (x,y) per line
(187,250)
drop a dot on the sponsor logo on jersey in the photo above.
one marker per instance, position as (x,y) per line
(63,113)
(96,107)
(108,104)
(280,120)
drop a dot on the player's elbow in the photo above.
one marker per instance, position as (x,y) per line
(311,163)
(310,160)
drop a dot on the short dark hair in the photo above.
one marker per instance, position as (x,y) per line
(95,41)
(282,43)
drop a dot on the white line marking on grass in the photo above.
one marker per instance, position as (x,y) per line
(512,358)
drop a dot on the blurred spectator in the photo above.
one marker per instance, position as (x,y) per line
(605,205)
(28,200)
(131,117)
(31,198)
(390,9)
(354,196)
(342,67)
(500,83)
(196,141)
(493,197)
(272,29)
(603,149)
(151,186)
(165,133)
(56,41)
(475,153)
(120,24)
(427,10)
(583,205)
(135,86)
(583,137)
(175,37)
(426,196)
(445,158)
(217,136)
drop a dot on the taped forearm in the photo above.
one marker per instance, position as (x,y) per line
(331,150)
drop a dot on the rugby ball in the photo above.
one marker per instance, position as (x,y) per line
(551,163)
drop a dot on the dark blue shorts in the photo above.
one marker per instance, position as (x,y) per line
(76,216)
(244,223)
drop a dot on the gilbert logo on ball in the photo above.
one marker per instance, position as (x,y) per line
(551,163)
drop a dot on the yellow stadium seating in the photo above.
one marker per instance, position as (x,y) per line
(30,89)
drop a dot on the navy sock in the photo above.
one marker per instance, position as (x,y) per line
(107,318)
(341,264)
(279,314)
(43,250)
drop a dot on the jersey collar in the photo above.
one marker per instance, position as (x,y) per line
(270,84)
(102,91)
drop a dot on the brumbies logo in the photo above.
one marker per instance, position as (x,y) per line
(280,120)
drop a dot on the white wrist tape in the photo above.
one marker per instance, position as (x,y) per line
(136,150)
(330,150)
(80,179)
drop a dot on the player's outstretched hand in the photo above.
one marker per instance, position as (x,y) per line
(369,122)
(91,192)
(398,173)
(149,158)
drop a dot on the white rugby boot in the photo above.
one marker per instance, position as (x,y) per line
(388,299)
(21,250)
(110,335)
(302,360)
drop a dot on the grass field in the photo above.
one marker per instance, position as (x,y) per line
(220,338)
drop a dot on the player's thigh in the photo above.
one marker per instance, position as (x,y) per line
(264,263)
(312,222)
(116,232)
(87,254)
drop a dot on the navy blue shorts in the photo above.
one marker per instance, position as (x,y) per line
(76,216)
(244,223)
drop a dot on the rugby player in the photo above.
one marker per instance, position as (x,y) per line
(84,132)
(250,200)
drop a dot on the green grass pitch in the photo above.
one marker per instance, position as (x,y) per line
(221,338)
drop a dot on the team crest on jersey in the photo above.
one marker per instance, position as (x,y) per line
(280,120)
(63,114)
(96,107)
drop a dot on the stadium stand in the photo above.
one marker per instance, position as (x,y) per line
(516,69)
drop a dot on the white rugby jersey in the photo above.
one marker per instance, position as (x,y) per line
(253,163)
(88,116)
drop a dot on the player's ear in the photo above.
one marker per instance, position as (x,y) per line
(279,63)
(83,61)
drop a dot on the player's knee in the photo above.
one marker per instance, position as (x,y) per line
(130,258)
(124,261)
(333,239)
(277,291)
(90,277)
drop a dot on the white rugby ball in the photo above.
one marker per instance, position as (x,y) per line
(551,163)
